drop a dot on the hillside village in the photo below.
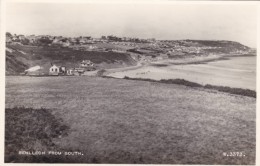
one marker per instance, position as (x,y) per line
(58,55)
(54,70)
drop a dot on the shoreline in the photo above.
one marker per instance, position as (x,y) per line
(160,63)
(163,63)
(222,75)
(202,61)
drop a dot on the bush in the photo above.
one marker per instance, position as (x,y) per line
(181,82)
(237,91)
(100,72)
(30,129)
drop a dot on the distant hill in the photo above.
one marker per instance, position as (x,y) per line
(21,57)
(221,46)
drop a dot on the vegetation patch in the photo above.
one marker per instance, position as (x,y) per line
(125,121)
(101,72)
(181,82)
(237,91)
(30,130)
(160,65)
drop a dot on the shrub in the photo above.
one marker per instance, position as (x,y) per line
(181,82)
(30,129)
(100,72)
(237,91)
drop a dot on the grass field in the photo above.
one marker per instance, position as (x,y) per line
(128,121)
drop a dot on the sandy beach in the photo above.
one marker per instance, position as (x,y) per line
(236,72)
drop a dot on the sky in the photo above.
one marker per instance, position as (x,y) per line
(161,21)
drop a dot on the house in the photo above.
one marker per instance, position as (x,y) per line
(56,70)
(86,63)
(79,71)
(70,72)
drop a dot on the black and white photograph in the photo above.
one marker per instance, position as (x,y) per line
(110,82)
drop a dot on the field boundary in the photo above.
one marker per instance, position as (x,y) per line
(237,91)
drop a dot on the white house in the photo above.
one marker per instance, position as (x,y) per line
(54,70)
(86,63)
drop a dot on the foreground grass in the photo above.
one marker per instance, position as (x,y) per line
(31,130)
(129,121)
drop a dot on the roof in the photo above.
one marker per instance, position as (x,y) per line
(55,66)
(86,61)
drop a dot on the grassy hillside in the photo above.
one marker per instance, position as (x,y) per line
(218,43)
(21,57)
(129,121)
